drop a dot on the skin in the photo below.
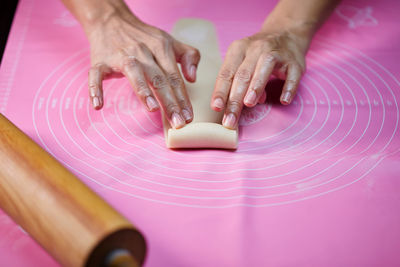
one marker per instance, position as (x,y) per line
(278,49)
(123,45)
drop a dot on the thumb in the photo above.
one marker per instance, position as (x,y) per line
(189,58)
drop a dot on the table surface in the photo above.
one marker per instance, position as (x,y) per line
(315,183)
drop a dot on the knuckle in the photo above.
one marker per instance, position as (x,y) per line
(175,80)
(93,69)
(182,103)
(130,62)
(93,86)
(141,46)
(226,74)
(243,75)
(142,89)
(94,89)
(234,105)
(97,66)
(130,48)
(158,81)
(171,108)
(235,102)
(291,81)
(270,57)
(291,84)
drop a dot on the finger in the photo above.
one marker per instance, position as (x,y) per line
(95,80)
(239,88)
(167,62)
(256,91)
(189,58)
(234,57)
(291,84)
(133,70)
(164,94)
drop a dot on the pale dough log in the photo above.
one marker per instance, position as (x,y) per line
(205,131)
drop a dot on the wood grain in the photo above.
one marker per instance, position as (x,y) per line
(62,214)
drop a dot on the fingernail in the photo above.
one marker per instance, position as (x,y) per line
(177,120)
(218,103)
(286,97)
(96,102)
(229,121)
(250,98)
(186,115)
(192,72)
(151,103)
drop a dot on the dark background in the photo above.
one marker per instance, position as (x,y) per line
(7,10)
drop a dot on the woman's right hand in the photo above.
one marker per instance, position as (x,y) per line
(147,56)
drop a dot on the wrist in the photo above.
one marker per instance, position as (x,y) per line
(303,28)
(92,18)
(300,31)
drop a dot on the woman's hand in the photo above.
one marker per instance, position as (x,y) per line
(121,44)
(278,49)
(248,65)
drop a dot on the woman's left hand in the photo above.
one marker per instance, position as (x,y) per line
(248,65)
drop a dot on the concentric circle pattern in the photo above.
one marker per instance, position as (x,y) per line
(343,122)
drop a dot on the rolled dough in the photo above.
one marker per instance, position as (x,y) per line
(206,130)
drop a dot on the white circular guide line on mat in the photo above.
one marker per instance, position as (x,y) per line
(104,162)
(87,137)
(163,193)
(133,159)
(43,84)
(142,139)
(273,153)
(207,162)
(48,102)
(190,188)
(369,105)
(377,90)
(342,106)
(131,153)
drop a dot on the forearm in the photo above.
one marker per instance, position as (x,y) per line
(91,13)
(300,17)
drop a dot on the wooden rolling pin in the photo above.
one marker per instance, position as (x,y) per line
(62,214)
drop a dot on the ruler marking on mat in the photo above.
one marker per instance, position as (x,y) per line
(11,60)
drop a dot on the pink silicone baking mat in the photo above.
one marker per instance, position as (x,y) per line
(315,183)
